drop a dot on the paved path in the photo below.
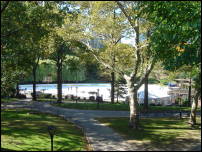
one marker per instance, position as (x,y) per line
(100,137)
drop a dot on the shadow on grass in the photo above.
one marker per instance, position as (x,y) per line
(5,149)
(28,131)
(160,132)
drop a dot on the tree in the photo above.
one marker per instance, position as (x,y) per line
(45,25)
(107,31)
(177,37)
(4,5)
(15,35)
(133,62)
(132,78)
(24,24)
(61,49)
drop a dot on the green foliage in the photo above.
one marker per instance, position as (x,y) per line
(25,26)
(46,69)
(176,38)
(153,81)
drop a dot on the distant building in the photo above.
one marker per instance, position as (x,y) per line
(181,90)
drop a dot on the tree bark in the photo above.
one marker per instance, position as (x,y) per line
(17,90)
(146,95)
(117,98)
(34,84)
(189,94)
(192,119)
(133,103)
(112,86)
(59,78)
(4,6)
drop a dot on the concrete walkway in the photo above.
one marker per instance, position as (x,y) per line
(100,137)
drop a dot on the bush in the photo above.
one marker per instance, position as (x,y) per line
(92,98)
(153,81)
(45,95)
(177,100)
(185,103)
(72,97)
(99,99)
(164,81)
(66,97)
(21,96)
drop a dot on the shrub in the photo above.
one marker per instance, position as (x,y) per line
(185,102)
(99,99)
(21,96)
(92,98)
(72,97)
(43,95)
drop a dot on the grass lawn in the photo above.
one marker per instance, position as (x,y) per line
(157,133)
(6,100)
(26,130)
(119,106)
(86,105)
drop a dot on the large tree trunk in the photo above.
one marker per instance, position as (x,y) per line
(59,79)
(189,94)
(17,90)
(117,98)
(34,84)
(192,119)
(133,103)
(146,95)
(112,87)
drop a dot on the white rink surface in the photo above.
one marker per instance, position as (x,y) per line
(157,93)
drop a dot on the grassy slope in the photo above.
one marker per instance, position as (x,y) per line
(27,131)
(117,107)
(161,133)
(6,100)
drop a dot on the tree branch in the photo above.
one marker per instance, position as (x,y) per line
(118,40)
(127,16)
(15,31)
(151,66)
(4,7)
(10,33)
(104,63)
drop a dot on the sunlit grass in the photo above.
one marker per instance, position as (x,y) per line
(8,100)
(27,131)
(157,132)
(119,107)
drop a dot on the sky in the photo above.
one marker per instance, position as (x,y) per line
(128,41)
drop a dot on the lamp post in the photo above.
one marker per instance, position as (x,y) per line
(51,131)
